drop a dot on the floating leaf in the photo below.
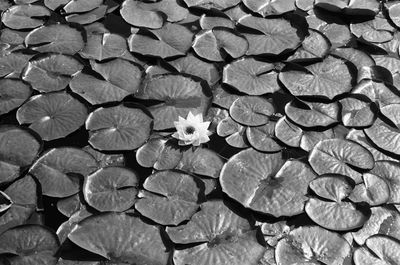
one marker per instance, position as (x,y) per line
(5,202)
(357,57)
(103,234)
(303,246)
(270,8)
(356,113)
(388,171)
(58,38)
(105,160)
(24,16)
(12,94)
(236,133)
(121,78)
(79,6)
(69,205)
(314,46)
(51,73)
(118,128)
(251,76)
(251,110)
(179,96)
(133,13)
(191,65)
(333,156)
(18,149)
(225,238)
(383,250)
(394,14)
(104,46)
(209,22)
(89,17)
(32,244)
(201,161)
(57,168)
(374,190)
(169,41)
(274,35)
(11,65)
(332,187)
(343,216)
(384,136)
(206,4)
(377,30)
(316,114)
(214,43)
(327,79)
(53,115)
(111,189)
(263,138)
(169,197)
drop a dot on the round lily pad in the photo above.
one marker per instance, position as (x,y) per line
(225,238)
(332,187)
(356,113)
(18,149)
(251,110)
(263,138)
(103,234)
(24,16)
(52,115)
(70,205)
(178,94)
(58,38)
(132,13)
(315,46)
(251,76)
(333,156)
(303,246)
(383,250)
(11,65)
(118,128)
(23,195)
(169,198)
(57,168)
(384,135)
(274,35)
(388,171)
(270,8)
(111,189)
(104,46)
(32,244)
(326,79)
(338,216)
(51,73)
(374,190)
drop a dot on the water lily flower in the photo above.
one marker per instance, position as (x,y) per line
(192,130)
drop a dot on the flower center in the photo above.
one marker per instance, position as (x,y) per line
(189,130)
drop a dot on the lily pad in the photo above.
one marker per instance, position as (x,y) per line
(111,189)
(251,76)
(88,17)
(338,216)
(270,8)
(179,95)
(333,156)
(374,190)
(23,194)
(105,160)
(251,110)
(383,250)
(104,46)
(80,6)
(377,30)
(51,73)
(32,244)
(303,246)
(11,65)
(121,78)
(326,79)
(213,44)
(314,115)
(53,115)
(118,128)
(206,4)
(388,171)
(12,94)
(356,113)
(58,38)
(132,13)
(5,202)
(70,205)
(169,41)
(18,149)
(57,170)
(274,35)
(384,136)
(169,197)
(103,234)
(332,187)
(224,237)
(25,16)
(262,138)
(357,57)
